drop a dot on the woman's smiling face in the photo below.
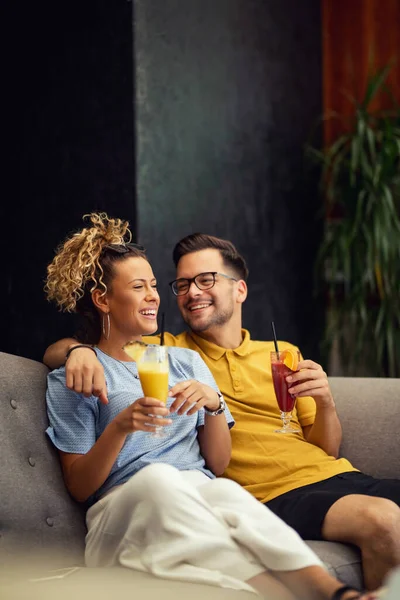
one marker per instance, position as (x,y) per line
(133,298)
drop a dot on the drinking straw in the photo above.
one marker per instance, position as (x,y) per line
(162,329)
(275,340)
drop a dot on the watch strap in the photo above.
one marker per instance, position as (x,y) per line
(219,410)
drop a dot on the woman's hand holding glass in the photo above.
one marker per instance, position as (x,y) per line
(191,395)
(145,414)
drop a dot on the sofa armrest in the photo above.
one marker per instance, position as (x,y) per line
(369,411)
(37,514)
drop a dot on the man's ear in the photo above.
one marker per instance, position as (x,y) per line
(241,291)
(100,300)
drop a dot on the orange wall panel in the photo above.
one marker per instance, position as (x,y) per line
(357,35)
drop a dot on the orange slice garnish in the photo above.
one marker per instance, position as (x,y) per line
(134,349)
(290,359)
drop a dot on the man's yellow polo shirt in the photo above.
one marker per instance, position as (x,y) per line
(265,463)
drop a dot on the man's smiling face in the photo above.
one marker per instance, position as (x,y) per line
(215,307)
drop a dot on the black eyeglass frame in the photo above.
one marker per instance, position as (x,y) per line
(191,280)
(124,248)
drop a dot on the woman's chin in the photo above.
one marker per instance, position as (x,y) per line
(148,329)
(151,329)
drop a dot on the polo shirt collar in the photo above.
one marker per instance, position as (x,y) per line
(216,352)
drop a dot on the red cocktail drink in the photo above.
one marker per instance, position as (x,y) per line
(281,370)
(285,400)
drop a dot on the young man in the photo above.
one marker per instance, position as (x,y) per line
(299,477)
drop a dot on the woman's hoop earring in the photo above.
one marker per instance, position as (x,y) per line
(106,326)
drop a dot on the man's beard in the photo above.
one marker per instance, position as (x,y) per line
(217,319)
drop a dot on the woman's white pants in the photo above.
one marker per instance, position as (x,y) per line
(183,525)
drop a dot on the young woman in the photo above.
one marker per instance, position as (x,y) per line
(155,504)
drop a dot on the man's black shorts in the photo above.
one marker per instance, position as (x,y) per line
(305,508)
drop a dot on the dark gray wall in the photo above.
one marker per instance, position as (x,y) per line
(227,92)
(69,147)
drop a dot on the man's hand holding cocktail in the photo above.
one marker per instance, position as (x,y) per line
(311,380)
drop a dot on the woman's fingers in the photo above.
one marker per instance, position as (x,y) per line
(148,403)
(185,407)
(179,401)
(141,421)
(183,403)
(155,410)
(143,415)
(195,408)
(181,387)
(180,405)
(190,396)
(194,403)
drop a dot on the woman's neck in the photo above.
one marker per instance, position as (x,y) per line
(114,346)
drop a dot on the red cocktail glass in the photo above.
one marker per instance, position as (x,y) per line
(285,400)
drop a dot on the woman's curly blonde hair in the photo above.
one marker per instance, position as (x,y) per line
(76,267)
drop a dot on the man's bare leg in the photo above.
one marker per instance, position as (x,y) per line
(372,524)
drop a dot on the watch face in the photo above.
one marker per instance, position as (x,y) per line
(221,408)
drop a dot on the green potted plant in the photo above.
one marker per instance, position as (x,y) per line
(359,258)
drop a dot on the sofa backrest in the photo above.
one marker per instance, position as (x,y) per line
(369,411)
(36,511)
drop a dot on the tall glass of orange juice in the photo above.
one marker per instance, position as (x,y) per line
(153,369)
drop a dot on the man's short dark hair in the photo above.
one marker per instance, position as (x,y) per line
(201,241)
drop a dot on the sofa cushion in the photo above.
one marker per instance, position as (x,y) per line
(369,411)
(24,582)
(36,511)
(37,514)
(342,561)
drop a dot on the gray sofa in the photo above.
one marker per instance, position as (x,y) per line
(42,529)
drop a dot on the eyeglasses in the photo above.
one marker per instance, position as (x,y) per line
(124,248)
(203,281)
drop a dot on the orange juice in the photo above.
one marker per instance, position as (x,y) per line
(154,379)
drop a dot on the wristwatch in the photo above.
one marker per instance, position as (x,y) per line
(220,409)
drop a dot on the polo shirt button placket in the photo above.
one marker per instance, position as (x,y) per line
(236,379)
(233,371)
(237,382)
(231,363)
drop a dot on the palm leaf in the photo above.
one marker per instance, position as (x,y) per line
(359,257)
(375,84)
